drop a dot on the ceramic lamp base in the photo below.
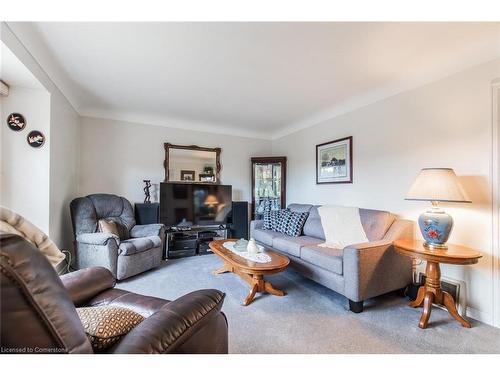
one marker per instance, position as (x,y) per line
(435,246)
(435,225)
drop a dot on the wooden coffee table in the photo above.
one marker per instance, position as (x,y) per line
(431,292)
(252,272)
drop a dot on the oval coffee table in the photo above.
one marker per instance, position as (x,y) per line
(252,272)
(431,292)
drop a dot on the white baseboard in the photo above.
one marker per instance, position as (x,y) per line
(482,316)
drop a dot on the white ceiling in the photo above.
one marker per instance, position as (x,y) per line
(254,79)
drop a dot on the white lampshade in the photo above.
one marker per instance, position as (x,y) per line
(437,184)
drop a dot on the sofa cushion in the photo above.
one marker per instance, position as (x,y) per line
(298,207)
(375,223)
(313,226)
(265,236)
(138,245)
(324,257)
(292,245)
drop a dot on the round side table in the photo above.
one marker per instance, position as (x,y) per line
(431,292)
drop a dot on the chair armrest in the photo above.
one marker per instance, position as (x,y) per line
(174,323)
(146,230)
(96,238)
(84,284)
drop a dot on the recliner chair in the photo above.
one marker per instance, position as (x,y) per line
(138,248)
(38,310)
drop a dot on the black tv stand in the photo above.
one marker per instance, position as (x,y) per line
(185,242)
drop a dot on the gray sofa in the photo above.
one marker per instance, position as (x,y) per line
(137,249)
(359,271)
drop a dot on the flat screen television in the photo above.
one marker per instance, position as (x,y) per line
(194,205)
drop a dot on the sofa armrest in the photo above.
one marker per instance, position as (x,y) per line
(96,238)
(84,284)
(147,230)
(256,224)
(374,268)
(175,323)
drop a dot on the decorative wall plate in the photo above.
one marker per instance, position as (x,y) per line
(16,122)
(36,138)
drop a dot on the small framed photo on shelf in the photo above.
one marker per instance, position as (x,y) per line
(334,162)
(188,175)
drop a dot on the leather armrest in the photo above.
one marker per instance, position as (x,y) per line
(173,324)
(84,284)
(97,238)
(146,230)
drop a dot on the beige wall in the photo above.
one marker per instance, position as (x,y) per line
(443,124)
(116,156)
(24,169)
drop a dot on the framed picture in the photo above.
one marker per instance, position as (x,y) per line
(334,162)
(188,175)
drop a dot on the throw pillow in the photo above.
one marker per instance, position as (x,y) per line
(272,220)
(108,226)
(291,223)
(105,325)
(295,224)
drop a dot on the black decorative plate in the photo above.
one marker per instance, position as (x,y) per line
(16,122)
(36,138)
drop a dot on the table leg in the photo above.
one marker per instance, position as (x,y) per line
(225,268)
(251,295)
(426,314)
(449,303)
(420,297)
(269,288)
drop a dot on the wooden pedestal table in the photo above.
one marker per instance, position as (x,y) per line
(252,272)
(431,292)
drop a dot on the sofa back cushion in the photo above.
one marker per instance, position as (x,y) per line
(298,207)
(87,211)
(375,223)
(36,309)
(313,227)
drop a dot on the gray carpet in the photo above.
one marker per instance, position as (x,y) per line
(313,319)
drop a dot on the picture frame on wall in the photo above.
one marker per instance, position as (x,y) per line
(334,162)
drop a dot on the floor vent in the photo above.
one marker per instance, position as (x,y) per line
(457,290)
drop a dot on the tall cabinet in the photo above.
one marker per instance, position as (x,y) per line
(268,184)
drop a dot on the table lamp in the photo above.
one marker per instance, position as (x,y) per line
(436,185)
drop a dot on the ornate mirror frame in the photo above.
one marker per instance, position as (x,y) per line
(217,150)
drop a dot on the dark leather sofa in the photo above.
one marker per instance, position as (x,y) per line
(38,312)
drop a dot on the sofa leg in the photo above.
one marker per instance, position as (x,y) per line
(356,307)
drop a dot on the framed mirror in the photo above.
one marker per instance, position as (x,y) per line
(192,164)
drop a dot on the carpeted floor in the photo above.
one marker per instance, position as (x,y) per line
(313,319)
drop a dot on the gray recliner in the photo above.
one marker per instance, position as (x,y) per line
(138,248)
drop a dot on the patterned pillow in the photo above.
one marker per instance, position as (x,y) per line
(291,223)
(272,219)
(105,325)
